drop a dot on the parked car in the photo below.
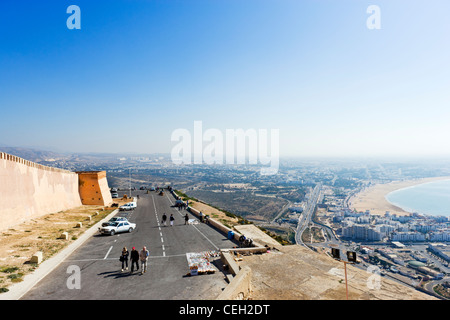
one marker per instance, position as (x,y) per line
(112,220)
(116,227)
(128,206)
(114,195)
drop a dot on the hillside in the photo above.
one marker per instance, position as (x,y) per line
(297,273)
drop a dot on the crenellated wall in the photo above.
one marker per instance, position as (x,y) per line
(29,190)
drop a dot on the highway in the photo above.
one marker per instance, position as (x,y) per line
(100,269)
(305,217)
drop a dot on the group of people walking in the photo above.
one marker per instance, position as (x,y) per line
(164,219)
(172,219)
(142,256)
(135,257)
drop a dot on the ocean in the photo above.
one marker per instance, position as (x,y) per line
(432,198)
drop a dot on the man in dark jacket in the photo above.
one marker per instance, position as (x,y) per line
(134,258)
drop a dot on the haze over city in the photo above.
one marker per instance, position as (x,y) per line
(252,150)
(138,70)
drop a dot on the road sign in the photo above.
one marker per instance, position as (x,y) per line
(351,256)
(336,253)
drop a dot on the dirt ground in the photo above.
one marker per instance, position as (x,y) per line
(214,213)
(19,243)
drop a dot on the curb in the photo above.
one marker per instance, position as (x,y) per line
(18,290)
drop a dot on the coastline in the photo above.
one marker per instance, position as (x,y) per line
(374,197)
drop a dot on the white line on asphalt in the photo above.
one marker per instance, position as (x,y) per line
(217,248)
(114,259)
(195,227)
(159,226)
(107,253)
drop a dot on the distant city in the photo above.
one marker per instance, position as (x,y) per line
(306,203)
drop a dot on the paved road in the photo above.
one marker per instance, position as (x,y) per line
(100,268)
(305,217)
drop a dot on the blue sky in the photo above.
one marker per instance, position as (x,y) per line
(139,69)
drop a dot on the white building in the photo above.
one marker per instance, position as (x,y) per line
(439,236)
(408,236)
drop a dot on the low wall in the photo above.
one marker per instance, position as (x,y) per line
(239,288)
(29,190)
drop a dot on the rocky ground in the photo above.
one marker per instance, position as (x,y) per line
(297,273)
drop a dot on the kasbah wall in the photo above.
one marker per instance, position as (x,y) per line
(29,190)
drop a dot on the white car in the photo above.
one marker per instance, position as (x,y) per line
(112,220)
(128,206)
(116,227)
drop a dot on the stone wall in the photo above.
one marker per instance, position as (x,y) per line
(29,190)
(93,188)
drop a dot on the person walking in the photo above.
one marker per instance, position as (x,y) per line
(134,257)
(164,218)
(172,219)
(124,258)
(143,256)
(186,219)
(201,216)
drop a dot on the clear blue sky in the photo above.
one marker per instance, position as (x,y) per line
(139,69)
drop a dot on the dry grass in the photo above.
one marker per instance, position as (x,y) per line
(20,243)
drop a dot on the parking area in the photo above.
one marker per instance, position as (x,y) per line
(99,269)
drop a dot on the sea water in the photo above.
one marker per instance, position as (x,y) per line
(432,198)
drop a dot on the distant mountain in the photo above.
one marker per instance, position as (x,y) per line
(33,154)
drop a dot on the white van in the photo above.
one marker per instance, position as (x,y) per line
(128,206)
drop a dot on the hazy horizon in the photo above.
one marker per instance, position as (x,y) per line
(137,71)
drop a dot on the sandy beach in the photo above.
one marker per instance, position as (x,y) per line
(373,198)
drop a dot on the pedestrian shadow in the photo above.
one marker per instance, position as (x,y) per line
(118,274)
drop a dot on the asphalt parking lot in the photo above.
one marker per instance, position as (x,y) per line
(93,271)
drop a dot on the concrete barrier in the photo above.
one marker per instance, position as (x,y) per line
(239,288)
(228,259)
(37,257)
(64,236)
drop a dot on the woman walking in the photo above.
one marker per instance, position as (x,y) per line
(124,258)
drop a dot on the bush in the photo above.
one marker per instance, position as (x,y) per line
(9,269)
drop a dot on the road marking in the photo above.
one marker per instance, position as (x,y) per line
(115,259)
(159,226)
(195,226)
(217,248)
(107,253)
